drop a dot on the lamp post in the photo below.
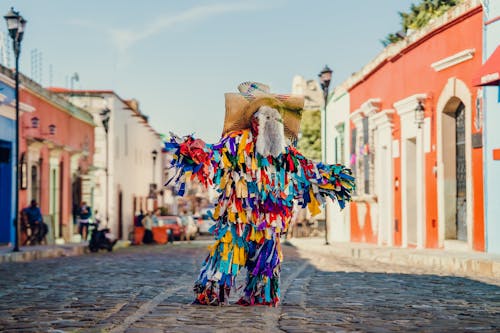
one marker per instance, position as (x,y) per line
(16,24)
(105,116)
(325,76)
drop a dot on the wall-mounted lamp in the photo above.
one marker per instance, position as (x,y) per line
(35,122)
(419,114)
(52,129)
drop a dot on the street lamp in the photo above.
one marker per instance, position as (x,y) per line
(16,24)
(325,76)
(105,116)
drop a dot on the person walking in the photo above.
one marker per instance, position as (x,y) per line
(260,177)
(84,215)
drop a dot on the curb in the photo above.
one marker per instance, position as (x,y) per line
(26,254)
(452,262)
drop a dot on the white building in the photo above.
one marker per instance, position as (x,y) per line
(337,152)
(132,167)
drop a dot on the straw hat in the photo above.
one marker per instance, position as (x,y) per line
(241,106)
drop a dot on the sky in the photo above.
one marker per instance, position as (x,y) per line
(178,58)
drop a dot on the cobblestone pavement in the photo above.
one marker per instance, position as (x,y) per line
(148,289)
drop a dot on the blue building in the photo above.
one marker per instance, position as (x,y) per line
(7,162)
(489,78)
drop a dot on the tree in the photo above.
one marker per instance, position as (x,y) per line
(418,17)
(310,134)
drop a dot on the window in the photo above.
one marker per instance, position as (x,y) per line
(366,157)
(353,161)
(362,156)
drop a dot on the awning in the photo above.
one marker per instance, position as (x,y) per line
(489,74)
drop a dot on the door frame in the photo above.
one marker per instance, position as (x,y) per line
(454,91)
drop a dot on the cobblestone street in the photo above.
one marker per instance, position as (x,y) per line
(148,289)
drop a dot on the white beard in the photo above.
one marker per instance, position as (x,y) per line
(271,135)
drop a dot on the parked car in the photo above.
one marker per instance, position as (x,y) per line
(204,224)
(190,228)
(173,223)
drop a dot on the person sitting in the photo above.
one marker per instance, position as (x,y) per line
(33,218)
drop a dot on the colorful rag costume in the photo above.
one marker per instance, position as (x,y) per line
(257,195)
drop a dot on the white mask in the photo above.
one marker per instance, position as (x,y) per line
(271,134)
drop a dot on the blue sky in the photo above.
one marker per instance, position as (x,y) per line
(178,58)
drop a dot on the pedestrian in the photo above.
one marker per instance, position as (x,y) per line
(260,176)
(84,215)
(154,217)
(138,219)
(33,218)
(147,221)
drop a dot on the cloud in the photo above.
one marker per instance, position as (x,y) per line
(123,39)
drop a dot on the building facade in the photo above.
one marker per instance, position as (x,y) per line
(488,81)
(415,138)
(126,152)
(50,154)
(337,152)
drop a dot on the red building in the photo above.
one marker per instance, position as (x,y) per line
(415,138)
(56,149)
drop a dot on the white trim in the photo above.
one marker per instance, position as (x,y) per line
(383,176)
(356,117)
(414,201)
(2,97)
(23,107)
(408,104)
(370,107)
(383,118)
(55,156)
(453,60)
(26,107)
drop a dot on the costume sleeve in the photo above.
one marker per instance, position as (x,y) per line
(314,182)
(191,159)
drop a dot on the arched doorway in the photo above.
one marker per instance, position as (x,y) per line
(454,165)
(455,170)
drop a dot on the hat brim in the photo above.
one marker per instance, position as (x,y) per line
(241,107)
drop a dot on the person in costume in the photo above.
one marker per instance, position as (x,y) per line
(260,177)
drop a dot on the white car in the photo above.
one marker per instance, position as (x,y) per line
(204,224)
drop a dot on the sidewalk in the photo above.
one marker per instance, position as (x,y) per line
(466,263)
(30,253)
